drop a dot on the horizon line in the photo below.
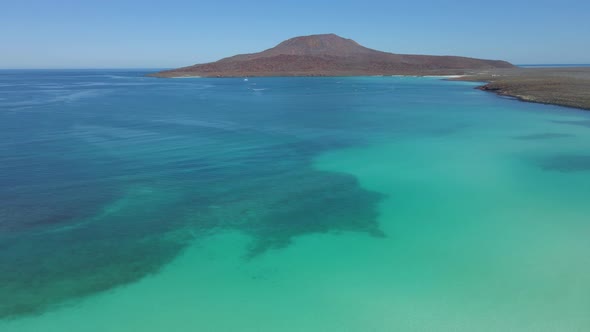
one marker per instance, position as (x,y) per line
(165,68)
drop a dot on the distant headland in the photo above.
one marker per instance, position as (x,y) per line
(331,55)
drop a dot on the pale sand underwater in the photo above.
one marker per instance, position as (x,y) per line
(459,255)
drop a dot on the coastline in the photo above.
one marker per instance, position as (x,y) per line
(441,76)
(564,86)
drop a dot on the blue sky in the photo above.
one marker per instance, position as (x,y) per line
(161,34)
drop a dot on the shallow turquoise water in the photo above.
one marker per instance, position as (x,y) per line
(288,204)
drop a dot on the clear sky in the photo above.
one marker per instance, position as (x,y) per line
(163,34)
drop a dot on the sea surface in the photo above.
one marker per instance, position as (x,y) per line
(130,203)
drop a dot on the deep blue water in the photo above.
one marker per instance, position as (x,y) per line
(106,175)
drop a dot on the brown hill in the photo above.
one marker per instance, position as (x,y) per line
(330,55)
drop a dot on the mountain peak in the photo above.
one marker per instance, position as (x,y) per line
(322,44)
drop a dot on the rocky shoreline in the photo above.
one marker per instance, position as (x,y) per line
(568,87)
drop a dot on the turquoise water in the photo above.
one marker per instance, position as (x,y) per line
(288,204)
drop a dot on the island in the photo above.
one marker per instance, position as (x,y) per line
(332,55)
